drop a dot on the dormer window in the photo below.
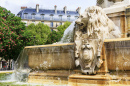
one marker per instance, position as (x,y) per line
(51,17)
(42,16)
(76,17)
(33,15)
(68,17)
(25,15)
(60,23)
(60,17)
(18,15)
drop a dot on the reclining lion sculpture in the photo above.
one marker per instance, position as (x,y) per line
(91,28)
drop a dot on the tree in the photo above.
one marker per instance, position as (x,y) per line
(13,35)
(39,33)
(63,27)
(56,36)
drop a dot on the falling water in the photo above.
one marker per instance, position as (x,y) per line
(68,34)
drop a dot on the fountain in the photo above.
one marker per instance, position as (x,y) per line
(91,52)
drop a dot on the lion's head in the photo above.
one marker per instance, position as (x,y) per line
(94,19)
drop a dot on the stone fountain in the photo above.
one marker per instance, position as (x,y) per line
(97,55)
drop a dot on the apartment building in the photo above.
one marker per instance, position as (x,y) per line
(50,17)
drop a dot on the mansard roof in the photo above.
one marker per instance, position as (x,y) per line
(47,13)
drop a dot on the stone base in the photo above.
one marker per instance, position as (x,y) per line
(58,77)
(69,78)
(98,80)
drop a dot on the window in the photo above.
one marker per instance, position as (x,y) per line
(42,16)
(56,25)
(51,29)
(33,22)
(51,24)
(68,18)
(51,17)
(25,15)
(43,22)
(33,16)
(60,17)
(25,23)
(76,17)
(60,23)
(18,15)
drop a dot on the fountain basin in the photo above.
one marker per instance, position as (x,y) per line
(117,53)
(51,57)
(114,51)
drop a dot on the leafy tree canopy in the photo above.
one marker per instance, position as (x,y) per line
(63,27)
(56,36)
(39,33)
(13,35)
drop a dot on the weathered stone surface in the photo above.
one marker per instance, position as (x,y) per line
(117,53)
(58,56)
(92,27)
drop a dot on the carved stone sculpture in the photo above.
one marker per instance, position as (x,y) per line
(92,27)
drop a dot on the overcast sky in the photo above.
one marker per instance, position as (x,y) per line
(15,5)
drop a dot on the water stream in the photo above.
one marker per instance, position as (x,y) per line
(68,34)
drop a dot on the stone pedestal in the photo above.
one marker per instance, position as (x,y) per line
(98,80)
(119,14)
(51,77)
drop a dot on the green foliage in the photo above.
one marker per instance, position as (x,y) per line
(62,28)
(13,35)
(56,36)
(39,33)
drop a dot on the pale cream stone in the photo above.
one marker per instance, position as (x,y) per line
(92,27)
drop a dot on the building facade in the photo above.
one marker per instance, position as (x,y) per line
(50,17)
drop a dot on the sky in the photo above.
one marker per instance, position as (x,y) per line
(15,5)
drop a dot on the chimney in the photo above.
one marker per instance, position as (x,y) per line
(65,9)
(22,8)
(78,10)
(37,8)
(55,7)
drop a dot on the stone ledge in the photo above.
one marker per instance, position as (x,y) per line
(98,80)
(11,71)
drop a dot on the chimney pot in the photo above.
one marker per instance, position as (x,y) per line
(55,7)
(65,9)
(23,7)
(37,8)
